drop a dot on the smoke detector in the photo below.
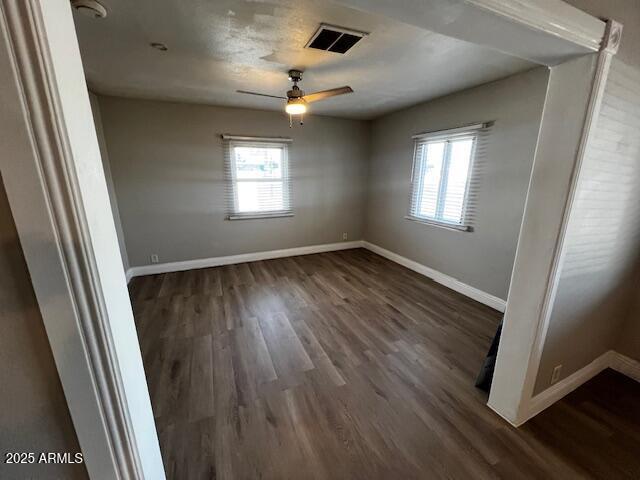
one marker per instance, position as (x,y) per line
(89,8)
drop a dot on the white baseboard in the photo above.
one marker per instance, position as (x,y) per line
(450,282)
(625,365)
(551,395)
(233,259)
(513,423)
(611,359)
(443,279)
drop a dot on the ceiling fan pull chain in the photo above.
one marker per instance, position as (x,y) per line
(290,121)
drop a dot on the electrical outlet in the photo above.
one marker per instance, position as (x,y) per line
(154,258)
(345,236)
(555,375)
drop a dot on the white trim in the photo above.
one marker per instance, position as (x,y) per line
(436,223)
(418,171)
(556,19)
(50,162)
(232,177)
(443,279)
(551,395)
(451,131)
(625,365)
(548,32)
(504,417)
(612,37)
(240,138)
(241,258)
(611,359)
(258,216)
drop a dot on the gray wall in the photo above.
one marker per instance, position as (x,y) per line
(597,283)
(33,411)
(482,258)
(104,154)
(167,166)
(629,339)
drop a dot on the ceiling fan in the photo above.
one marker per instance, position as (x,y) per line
(296,99)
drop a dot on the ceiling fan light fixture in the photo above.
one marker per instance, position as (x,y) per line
(297,100)
(296,106)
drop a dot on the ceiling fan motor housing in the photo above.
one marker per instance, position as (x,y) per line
(295,92)
(295,76)
(297,100)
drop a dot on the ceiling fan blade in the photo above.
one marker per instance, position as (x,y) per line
(260,94)
(314,97)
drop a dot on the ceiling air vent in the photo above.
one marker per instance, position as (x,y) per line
(334,39)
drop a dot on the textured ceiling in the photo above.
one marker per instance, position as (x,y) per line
(219,46)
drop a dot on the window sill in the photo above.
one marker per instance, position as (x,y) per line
(255,216)
(436,223)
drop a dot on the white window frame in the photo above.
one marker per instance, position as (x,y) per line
(417,176)
(285,179)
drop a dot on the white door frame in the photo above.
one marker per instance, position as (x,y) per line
(50,163)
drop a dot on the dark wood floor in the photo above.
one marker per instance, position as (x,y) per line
(347,366)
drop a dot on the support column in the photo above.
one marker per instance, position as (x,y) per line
(571,107)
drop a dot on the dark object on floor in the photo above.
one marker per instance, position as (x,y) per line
(483,382)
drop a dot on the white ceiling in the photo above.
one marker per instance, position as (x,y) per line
(219,46)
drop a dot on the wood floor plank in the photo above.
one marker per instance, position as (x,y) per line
(344,365)
(201,392)
(252,364)
(286,350)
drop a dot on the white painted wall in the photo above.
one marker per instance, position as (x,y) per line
(113,200)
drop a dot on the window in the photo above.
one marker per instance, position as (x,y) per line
(442,166)
(258,176)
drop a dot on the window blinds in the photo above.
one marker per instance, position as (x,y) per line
(447,166)
(258,177)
